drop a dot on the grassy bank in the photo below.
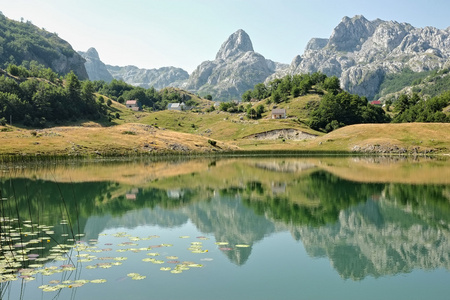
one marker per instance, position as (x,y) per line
(140,139)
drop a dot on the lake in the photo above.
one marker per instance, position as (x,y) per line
(228,228)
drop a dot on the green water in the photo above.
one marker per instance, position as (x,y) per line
(250,228)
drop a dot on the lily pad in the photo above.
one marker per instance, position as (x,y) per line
(98,281)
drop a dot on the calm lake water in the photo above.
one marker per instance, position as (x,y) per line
(247,228)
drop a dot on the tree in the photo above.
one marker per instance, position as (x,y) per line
(73,86)
(332,84)
(260,91)
(343,109)
(260,110)
(247,96)
(276,97)
(208,97)
(251,113)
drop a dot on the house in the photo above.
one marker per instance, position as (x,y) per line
(279,113)
(176,106)
(376,102)
(133,105)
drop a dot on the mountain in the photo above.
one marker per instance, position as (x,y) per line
(95,68)
(363,52)
(22,42)
(236,69)
(146,78)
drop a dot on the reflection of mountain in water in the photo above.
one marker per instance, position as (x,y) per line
(400,228)
(378,239)
(230,221)
(134,218)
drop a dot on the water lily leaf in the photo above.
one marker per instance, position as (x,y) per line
(153,254)
(173,261)
(195,265)
(222,243)
(172,257)
(184,237)
(120,258)
(91,267)
(139,277)
(54,281)
(43,286)
(148,259)
(176,271)
(165,269)
(158,261)
(199,251)
(105,266)
(98,281)
(242,246)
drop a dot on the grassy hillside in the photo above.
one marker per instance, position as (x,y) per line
(127,139)
(126,132)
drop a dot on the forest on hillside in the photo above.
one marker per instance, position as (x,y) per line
(36,96)
(338,108)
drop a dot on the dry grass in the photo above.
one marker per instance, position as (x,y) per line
(116,140)
(409,136)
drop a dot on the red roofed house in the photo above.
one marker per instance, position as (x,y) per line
(376,102)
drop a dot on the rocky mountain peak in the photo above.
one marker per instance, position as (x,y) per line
(350,34)
(239,42)
(95,68)
(363,52)
(316,44)
(92,53)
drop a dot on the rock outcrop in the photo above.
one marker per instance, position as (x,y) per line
(236,68)
(95,68)
(146,78)
(363,52)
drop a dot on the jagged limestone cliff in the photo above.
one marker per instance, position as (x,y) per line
(362,52)
(146,78)
(237,68)
(95,68)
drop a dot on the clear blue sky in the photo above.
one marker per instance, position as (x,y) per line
(184,33)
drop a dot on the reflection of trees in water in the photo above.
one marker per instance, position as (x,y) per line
(331,194)
(365,229)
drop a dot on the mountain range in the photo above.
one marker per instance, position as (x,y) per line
(362,53)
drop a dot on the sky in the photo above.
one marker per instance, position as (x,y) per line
(152,34)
